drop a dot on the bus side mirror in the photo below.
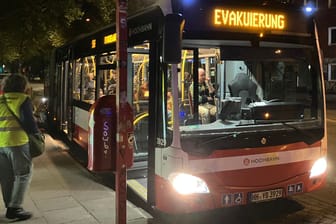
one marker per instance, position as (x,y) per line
(172,38)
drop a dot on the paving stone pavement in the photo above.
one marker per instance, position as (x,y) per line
(63,191)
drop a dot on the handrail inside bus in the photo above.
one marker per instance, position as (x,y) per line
(182,74)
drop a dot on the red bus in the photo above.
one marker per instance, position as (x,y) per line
(267,137)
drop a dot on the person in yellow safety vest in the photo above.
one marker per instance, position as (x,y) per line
(15,160)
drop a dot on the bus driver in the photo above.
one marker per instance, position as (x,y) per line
(206,97)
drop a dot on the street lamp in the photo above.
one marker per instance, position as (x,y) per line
(309,8)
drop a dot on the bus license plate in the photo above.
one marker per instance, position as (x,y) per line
(265,195)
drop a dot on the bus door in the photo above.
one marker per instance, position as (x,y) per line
(83,96)
(64,109)
(138,75)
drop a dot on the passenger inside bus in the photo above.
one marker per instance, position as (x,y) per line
(141,94)
(206,98)
(89,88)
(112,83)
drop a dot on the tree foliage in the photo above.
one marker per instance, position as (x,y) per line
(30,29)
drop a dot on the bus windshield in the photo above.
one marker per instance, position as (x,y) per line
(272,87)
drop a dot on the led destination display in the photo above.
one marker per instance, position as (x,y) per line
(248,19)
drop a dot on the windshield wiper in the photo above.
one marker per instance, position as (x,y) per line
(308,138)
(220,138)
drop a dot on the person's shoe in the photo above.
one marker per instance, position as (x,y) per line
(18,213)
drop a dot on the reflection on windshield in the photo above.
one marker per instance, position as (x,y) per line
(280,86)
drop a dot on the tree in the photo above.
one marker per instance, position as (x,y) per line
(30,29)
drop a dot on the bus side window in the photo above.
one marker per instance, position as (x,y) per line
(89,87)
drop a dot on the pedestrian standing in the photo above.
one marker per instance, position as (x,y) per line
(15,160)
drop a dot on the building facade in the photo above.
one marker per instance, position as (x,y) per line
(326,23)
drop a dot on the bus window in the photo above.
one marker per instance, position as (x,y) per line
(108,59)
(88,79)
(110,83)
(207,59)
(107,82)
(77,80)
(254,81)
(242,83)
(107,74)
(140,82)
(88,87)
(139,70)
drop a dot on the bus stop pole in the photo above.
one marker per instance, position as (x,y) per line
(122,119)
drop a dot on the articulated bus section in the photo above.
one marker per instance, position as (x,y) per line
(259,136)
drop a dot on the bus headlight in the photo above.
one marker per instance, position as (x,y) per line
(185,183)
(319,167)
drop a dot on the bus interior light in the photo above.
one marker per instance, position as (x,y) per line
(319,167)
(278,51)
(44,99)
(267,115)
(186,184)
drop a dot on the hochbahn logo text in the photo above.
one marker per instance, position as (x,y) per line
(260,160)
(140,29)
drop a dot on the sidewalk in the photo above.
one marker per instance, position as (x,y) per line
(62,191)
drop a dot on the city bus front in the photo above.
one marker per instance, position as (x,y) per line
(260,136)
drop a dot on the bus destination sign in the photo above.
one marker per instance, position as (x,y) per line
(230,18)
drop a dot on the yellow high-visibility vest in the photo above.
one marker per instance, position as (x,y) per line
(11,132)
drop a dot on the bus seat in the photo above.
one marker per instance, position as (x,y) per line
(242,86)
